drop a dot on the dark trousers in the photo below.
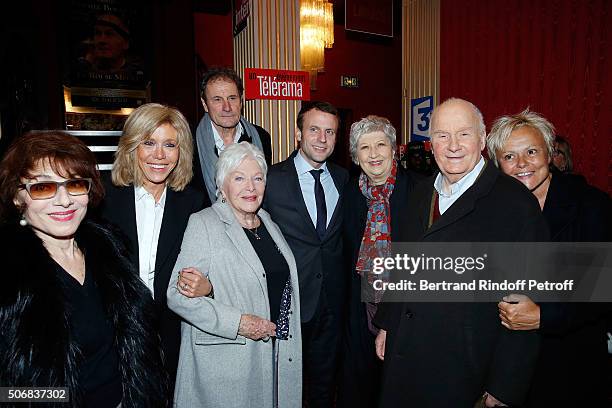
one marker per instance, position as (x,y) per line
(170,334)
(320,343)
(361,371)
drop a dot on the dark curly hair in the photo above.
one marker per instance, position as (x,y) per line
(68,156)
(318,105)
(217,73)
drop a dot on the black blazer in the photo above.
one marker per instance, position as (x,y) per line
(356,211)
(319,262)
(447,354)
(576,211)
(361,369)
(572,367)
(119,209)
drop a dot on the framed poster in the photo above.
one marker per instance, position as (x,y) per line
(369,16)
(106,68)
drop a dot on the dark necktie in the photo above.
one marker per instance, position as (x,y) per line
(436,209)
(320,199)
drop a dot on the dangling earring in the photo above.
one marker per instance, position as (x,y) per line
(23,221)
(222,199)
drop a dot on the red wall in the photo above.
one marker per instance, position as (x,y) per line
(214,39)
(553,56)
(377,61)
(378,64)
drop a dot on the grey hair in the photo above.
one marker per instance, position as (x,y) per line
(233,156)
(482,130)
(370,124)
(505,125)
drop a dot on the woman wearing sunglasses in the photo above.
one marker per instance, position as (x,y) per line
(73,313)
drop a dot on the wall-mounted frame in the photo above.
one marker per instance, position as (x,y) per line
(106,62)
(369,16)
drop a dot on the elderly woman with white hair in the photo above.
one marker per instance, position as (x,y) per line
(246,332)
(374,216)
(572,366)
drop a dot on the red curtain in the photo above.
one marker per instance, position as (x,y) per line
(553,56)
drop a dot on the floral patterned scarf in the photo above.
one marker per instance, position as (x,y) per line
(376,241)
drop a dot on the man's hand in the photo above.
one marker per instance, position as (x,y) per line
(381,339)
(518,312)
(256,328)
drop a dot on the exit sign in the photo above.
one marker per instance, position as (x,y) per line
(349,81)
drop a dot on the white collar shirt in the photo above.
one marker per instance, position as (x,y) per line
(219,141)
(445,200)
(149,215)
(307,185)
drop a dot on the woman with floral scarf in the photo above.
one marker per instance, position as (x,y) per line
(373,219)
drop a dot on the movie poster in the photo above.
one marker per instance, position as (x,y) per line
(107,66)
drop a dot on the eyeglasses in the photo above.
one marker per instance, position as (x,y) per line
(43,190)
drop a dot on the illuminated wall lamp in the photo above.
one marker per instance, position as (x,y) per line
(316,34)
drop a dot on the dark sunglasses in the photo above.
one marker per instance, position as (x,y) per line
(43,190)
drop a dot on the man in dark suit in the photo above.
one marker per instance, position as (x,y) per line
(222,125)
(454,354)
(303,196)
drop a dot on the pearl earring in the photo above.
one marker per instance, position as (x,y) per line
(23,221)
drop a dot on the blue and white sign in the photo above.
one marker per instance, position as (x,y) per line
(420,115)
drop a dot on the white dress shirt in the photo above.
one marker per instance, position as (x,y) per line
(456,189)
(219,141)
(149,215)
(307,185)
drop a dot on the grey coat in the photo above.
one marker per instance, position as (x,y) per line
(218,367)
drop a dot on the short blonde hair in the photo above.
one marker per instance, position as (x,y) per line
(138,127)
(505,125)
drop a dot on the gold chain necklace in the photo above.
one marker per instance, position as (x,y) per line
(257,237)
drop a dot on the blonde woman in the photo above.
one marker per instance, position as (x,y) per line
(150,201)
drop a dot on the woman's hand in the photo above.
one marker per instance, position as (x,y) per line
(256,328)
(518,312)
(192,283)
(380,342)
